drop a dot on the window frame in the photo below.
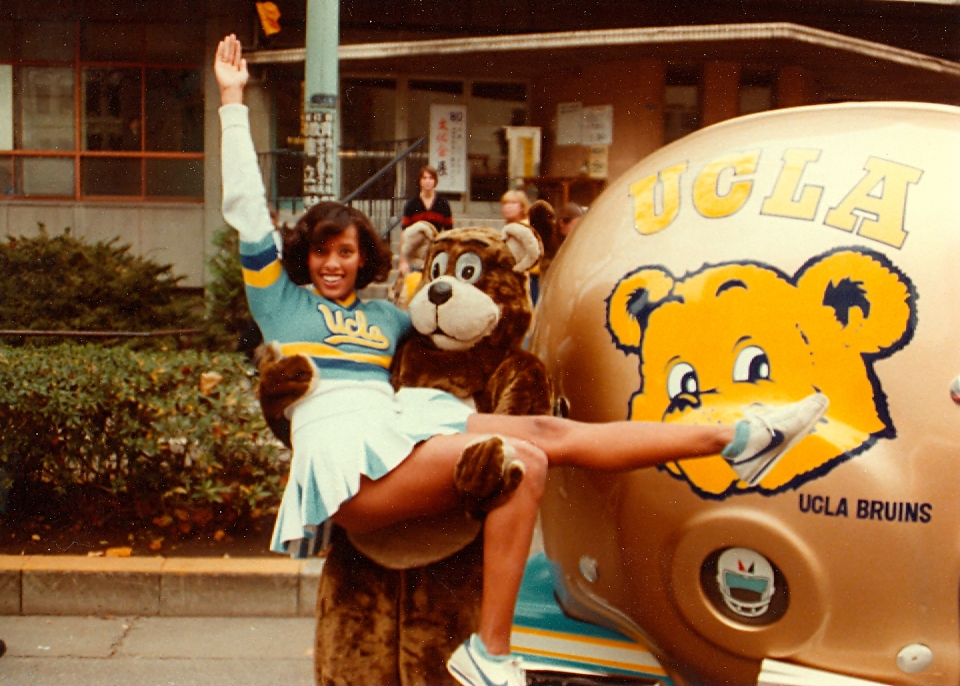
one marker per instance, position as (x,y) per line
(78,154)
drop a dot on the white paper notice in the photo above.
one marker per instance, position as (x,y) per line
(448,146)
(597,125)
(569,121)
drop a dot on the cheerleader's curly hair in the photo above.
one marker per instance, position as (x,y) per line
(324,221)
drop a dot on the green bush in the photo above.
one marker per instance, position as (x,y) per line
(228,314)
(177,436)
(62,283)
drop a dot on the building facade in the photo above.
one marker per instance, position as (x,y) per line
(108,119)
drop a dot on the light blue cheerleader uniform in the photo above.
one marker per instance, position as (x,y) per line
(354,424)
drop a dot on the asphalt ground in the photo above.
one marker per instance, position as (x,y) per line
(138,621)
(142,651)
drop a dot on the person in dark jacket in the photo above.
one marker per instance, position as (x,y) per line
(427,206)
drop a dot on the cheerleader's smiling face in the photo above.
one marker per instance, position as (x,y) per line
(334,264)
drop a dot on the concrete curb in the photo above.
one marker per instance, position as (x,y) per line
(147,586)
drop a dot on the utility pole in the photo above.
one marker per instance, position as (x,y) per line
(321,142)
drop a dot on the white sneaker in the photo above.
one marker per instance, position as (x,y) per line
(472,669)
(773,432)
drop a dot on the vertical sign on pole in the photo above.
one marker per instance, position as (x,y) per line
(321,131)
(448,146)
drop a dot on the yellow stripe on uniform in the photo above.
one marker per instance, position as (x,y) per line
(321,350)
(263,278)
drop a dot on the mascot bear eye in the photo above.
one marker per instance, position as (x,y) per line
(439,265)
(751,365)
(683,380)
(469,267)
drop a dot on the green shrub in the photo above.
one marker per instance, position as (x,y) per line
(141,429)
(228,314)
(62,283)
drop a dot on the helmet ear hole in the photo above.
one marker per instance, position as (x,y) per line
(782,615)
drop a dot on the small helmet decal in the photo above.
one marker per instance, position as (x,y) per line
(745,578)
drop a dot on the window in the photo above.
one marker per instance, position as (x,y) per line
(681,98)
(494,106)
(756,90)
(98,110)
(367,131)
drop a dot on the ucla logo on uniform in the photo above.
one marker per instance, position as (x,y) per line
(352,330)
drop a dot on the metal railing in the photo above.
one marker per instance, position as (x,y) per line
(379,189)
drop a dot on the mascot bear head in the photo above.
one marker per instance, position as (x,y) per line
(731,334)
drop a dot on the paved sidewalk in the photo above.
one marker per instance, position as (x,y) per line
(156,586)
(141,651)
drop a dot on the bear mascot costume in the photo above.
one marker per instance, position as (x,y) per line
(394,604)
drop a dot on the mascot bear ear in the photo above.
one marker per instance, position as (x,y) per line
(634,298)
(870,300)
(525,245)
(416,242)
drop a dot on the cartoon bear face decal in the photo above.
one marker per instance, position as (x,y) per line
(733,335)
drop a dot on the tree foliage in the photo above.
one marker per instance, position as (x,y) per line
(62,283)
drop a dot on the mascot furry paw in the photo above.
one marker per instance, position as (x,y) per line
(393,605)
(487,471)
(284,380)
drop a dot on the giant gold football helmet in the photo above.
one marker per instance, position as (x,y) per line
(751,264)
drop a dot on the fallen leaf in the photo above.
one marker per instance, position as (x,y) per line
(95,553)
(202,516)
(219,535)
(35,537)
(162,521)
(118,552)
(156,544)
(209,381)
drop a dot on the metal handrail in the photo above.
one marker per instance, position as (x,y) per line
(373,179)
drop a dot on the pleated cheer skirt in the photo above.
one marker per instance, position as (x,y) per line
(348,429)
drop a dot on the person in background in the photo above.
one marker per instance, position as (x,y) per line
(567,220)
(543,218)
(427,206)
(515,207)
